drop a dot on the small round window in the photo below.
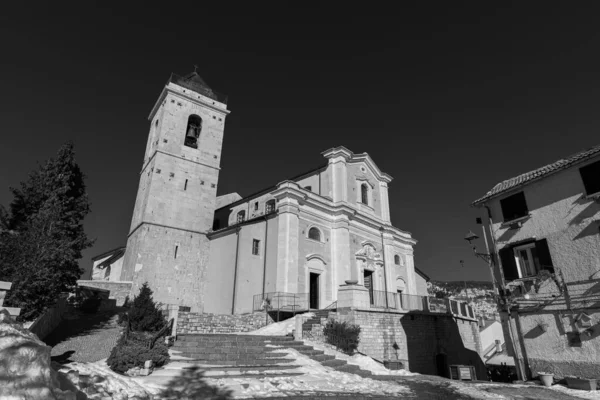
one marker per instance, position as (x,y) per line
(363,169)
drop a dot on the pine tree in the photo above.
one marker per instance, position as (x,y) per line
(144,315)
(42,235)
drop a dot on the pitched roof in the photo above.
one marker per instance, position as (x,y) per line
(108,253)
(539,173)
(194,82)
(423,274)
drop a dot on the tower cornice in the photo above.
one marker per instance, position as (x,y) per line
(187,94)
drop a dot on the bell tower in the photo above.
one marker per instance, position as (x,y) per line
(174,208)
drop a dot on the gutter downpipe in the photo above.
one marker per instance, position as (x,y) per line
(521,369)
(237,252)
(384,268)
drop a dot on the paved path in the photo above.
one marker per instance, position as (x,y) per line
(84,337)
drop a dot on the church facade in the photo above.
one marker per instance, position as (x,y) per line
(303,237)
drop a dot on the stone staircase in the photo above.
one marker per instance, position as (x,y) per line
(248,355)
(317,321)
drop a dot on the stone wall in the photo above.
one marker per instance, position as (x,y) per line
(50,319)
(190,322)
(118,290)
(425,343)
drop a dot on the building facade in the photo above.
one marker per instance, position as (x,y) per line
(544,228)
(299,239)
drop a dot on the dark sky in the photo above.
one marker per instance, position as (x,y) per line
(448,98)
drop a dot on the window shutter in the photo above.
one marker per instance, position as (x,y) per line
(509,266)
(544,255)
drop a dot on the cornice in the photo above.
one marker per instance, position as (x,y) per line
(352,158)
(170,88)
(316,256)
(289,189)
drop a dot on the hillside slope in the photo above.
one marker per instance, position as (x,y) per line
(479,295)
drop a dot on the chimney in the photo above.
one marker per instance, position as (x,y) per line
(498,346)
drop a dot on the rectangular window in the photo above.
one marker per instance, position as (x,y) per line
(255,246)
(590,175)
(309,188)
(526,259)
(514,207)
(256,206)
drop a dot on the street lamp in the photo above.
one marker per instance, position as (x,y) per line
(469,237)
(487,257)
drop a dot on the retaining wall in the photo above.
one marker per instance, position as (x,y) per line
(119,291)
(191,322)
(50,319)
(424,342)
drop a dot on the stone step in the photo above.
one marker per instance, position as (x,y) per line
(297,347)
(242,361)
(322,357)
(216,373)
(266,353)
(231,338)
(333,363)
(311,352)
(347,368)
(250,367)
(222,349)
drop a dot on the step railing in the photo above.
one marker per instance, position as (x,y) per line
(280,301)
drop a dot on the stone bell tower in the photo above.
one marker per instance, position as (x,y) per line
(167,244)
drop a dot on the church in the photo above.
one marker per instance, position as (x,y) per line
(291,245)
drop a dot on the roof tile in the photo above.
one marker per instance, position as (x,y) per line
(538,173)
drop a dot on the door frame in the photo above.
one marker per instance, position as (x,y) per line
(318,275)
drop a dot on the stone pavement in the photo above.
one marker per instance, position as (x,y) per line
(84,337)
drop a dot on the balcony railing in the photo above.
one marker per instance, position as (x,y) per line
(280,301)
(407,302)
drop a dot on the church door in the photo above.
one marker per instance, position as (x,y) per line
(369,284)
(314,291)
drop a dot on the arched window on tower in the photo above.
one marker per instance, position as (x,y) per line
(364,194)
(397,259)
(192,132)
(314,234)
(241,216)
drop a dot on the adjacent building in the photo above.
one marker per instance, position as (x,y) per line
(544,229)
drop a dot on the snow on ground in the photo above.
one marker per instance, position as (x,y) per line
(584,394)
(98,379)
(364,362)
(279,328)
(317,378)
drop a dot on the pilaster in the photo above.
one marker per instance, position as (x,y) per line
(339,179)
(385,202)
(287,246)
(341,267)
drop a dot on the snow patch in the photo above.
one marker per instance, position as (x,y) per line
(364,362)
(282,328)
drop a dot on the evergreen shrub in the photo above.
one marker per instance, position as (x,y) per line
(343,335)
(144,314)
(134,352)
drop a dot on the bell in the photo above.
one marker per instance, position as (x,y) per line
(191,133)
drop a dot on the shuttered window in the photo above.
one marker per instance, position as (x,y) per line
(590,175)
(540,260)
(514,207)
